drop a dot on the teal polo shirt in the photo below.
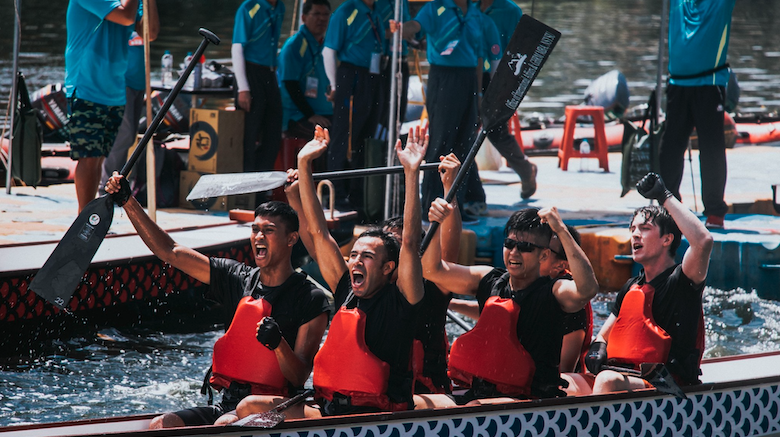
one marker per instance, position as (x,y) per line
(388,9)
(356,32)
(301,60)
(257,28)
(96,53)
(455,39)
(699,40)
(135,77)
(505,15)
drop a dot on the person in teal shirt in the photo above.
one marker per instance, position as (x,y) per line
(95,66)
(302,73)
(459,36)
(256,33)
(695,97)
(506,14)
(356,37)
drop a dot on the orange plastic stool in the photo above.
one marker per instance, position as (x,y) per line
(599,147)
(514,130)
(287,158)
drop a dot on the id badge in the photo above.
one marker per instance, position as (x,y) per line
(450,47)
(376,59)
(312,85)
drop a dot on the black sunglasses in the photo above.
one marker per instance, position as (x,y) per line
(522,246)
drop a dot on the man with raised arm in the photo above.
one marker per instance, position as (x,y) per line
(276,316)
(514,350)
(672,331)
(364,364)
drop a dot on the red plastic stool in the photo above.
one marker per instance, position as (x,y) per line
(599,147)
(514,130)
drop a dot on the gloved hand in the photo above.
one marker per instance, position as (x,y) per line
(121,196)
(268,333)
(652,187)
(596,357)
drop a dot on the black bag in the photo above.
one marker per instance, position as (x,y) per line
(28,138)
(167,177)
(641,149)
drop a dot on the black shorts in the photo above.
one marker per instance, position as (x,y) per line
(197,416)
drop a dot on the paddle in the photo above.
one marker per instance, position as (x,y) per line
(274,416)
(57,280)
(526,53)
(225,184)
(656,374)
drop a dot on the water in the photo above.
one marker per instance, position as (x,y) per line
(130,372)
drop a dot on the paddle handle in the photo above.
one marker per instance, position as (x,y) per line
(363,172)
(208,37)
(293,400)
(464,168)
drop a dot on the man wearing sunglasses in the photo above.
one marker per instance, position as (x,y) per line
(518,361)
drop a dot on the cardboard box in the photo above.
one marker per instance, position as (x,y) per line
(188,179)
(216,141)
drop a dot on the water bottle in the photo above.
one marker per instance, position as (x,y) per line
(584,149)
(191,79)
(197,72)
(167,69)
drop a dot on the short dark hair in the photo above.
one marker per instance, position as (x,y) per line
(280,210)
(308,4)
(397,222)
(659,216)
(392,246)
(527,220)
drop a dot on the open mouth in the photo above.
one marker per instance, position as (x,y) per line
(515,263)
(637,246)
(357,279)
(262,251)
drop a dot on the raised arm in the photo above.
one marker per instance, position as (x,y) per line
(452,225)
(696,260)
(446,275)
(292,191)
(410,279)
(157,240)
(324,248)
(572,295)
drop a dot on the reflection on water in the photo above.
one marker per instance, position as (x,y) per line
(121,373)
(598,36)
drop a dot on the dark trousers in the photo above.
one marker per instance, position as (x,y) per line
(357,85)
(700,107)
(452,117)
(384,108)
(263,122)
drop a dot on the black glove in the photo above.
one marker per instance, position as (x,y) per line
(596,357)
(652,187)
(269,334)
(121,196)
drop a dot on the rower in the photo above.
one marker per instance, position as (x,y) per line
(657,316)
(276,317)
(375,322)
(514,350)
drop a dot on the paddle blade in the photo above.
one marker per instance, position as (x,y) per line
(57,280)
(530,46)
(269,419)
(658,375)
(215,185)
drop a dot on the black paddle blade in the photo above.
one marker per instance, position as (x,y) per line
(523,57)
(57,280)
(658,375)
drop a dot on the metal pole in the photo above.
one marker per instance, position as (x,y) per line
(12,102)
(659,71)
(392,129)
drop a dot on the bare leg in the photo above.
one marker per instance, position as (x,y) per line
(260,403)
(227,418)
(579,384)
(608,381)
(167,420)
(491,401)
(86,179)
(428,401)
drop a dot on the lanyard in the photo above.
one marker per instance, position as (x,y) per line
(376,32)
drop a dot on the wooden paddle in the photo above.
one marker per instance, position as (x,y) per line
(225,184)
(274,416)
(526,53)
(57,280)
(656,374)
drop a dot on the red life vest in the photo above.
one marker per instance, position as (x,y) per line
(636,338)
(345,365)
(491,351)
(239,357)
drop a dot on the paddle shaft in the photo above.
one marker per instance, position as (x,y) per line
(458,321)
(363,172)
(300,397)
(208,37)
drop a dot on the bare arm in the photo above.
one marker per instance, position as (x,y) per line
(452,225)
(154,22)
(469,308)
(159,242)
(410,278)
(410,28)
(292,191)
(446,275)
(696,260)
(324,248)
(606,328)
(570,350)
(125,13)
(296,364)
(572,295)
